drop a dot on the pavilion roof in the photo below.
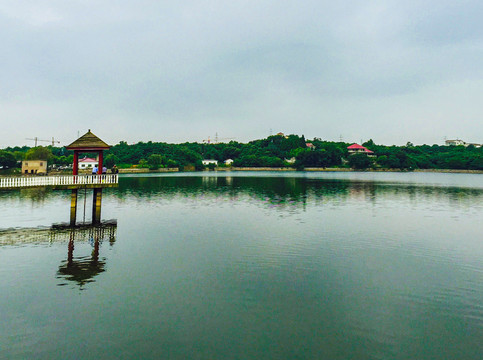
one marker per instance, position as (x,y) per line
(88,141)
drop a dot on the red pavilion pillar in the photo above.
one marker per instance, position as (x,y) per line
(75,165)
(99,166)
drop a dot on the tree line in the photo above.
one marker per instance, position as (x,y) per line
(273,151)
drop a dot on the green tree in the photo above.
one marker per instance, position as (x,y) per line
(174,164)
(230,152)
(477,163)
(110,160)
(404,159)
(143,163)
(369,144)
(154,161)
(393,162)
(39,153)
(212,152)
(360,161)
(19,155)
(7,159)
(61,160)
(382,160)
(312,158)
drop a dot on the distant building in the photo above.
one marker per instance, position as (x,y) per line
(34,167)
(359,149)
(87,163)
(290,161)
(310,146)
(459,142)
(229,162)
(455,142)
(209,161)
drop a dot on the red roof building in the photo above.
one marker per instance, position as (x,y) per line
(358,149)
(87,163)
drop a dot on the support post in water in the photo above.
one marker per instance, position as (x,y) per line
(73,207)
(96,206)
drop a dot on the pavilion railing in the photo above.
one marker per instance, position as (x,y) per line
(57,180)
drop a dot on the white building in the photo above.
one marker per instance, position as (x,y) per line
(229,162)
(455,142)
(209,161)
(87,163)
(458,142)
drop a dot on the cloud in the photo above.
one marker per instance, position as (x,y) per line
(166,71)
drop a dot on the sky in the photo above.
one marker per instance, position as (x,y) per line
(176,71)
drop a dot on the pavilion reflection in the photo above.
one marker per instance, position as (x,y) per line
(80,270)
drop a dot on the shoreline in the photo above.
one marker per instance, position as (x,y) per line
(254,169)
(449,171)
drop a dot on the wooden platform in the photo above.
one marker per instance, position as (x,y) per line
(59,182)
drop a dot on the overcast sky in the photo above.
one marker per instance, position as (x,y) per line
(175,71)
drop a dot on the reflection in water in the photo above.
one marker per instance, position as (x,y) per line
(80,270)
(287,192)
(36,195)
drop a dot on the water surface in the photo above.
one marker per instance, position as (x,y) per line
(248,266)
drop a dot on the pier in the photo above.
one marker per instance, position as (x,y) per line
(87,143)
(59,182)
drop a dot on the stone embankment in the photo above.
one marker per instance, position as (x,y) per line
(252,169)
(451,171)
(144,170)
(276,169)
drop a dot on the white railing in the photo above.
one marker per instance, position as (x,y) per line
(58,180)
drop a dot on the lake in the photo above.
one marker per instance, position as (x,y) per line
(254,265)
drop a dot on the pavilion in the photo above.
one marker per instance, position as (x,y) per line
(89,143)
